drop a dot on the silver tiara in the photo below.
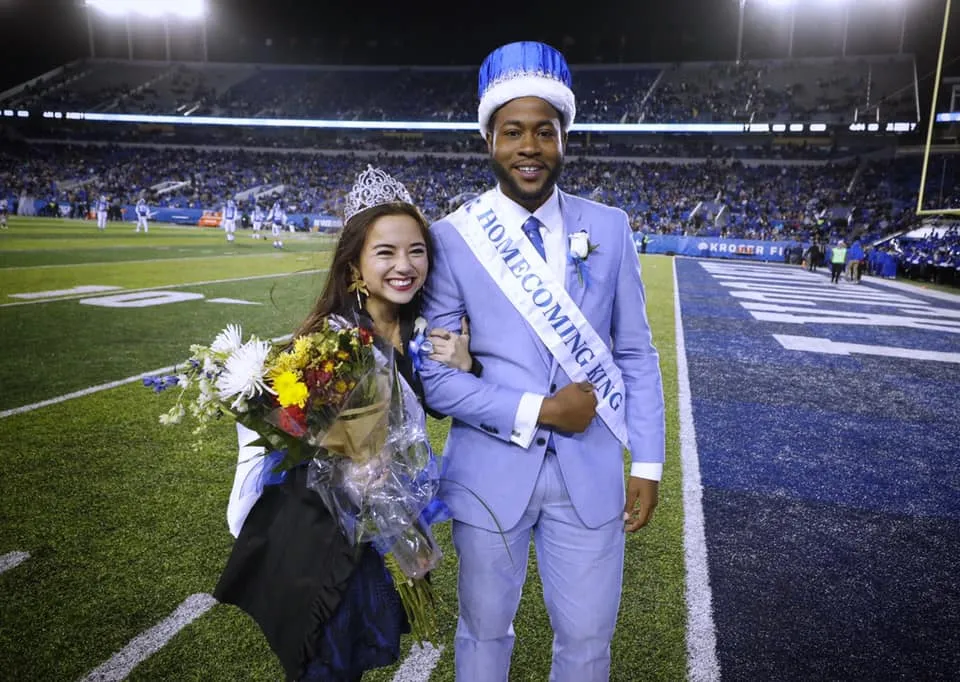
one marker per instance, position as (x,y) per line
(372,188)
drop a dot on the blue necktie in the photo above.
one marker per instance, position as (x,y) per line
(531,228)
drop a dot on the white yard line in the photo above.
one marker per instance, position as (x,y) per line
(12,560)
(102,387)
(86,391)
(172,286)
(419,664)
(702,663)
(149,642)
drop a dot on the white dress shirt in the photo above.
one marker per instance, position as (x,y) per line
(555,247)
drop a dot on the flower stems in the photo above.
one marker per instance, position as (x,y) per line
(419,602)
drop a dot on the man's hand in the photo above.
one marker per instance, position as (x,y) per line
(451,349)
(571,409)
(642,496)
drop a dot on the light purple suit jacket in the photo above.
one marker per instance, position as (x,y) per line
(487,475)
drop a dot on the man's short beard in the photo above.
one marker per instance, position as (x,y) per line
(507,180)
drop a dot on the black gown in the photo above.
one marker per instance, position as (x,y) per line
(328,610)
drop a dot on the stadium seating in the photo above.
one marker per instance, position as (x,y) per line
(761,188)
(828,90)
(674,196)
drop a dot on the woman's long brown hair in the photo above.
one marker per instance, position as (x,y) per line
(336,299)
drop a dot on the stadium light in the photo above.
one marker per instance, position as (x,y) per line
(903,22)
(188,9)
(184,9)
(846,20)
(784,4)
(846,5)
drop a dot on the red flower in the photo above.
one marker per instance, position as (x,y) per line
(293,421)
(365,336)
(316,378)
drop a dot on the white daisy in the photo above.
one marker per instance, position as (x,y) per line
(228,340)
(243,372)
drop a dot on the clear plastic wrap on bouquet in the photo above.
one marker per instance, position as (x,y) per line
(382,487)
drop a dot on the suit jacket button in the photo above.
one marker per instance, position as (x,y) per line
(541,441)
(553,388)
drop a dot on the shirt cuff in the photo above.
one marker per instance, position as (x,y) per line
(650,470)
(525,421)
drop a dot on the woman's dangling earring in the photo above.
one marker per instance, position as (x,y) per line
(358,285)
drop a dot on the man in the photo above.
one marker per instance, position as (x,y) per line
(838,257)
(277,218)
(855,261)
(550,282)
(257,220)
(230,219)
(102,207)
(3,213)
(143,212)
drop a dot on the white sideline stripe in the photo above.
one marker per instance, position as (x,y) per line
(146,260)
(702,663)
(149,642)
(419,664)
(12,560)
(102,387)
(174,286)
(86,391)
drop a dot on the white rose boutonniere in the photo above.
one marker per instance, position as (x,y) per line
(580,249)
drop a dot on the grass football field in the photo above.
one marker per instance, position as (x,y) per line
(123,520)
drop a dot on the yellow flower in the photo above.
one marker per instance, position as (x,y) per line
(328,366)
(285,362)
(340,386)
(302,346)
(290,390)
(343,355)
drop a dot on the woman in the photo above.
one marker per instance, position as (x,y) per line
(327,608)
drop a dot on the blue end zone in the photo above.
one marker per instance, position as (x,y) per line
(831,482)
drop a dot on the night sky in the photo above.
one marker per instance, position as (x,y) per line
(38,35)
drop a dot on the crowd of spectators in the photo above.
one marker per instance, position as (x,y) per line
(723,198)
(774,90)
(933,257)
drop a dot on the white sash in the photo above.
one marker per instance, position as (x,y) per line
(515,266)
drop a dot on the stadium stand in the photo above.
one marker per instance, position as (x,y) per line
(674,196)
(768,188)
(821,90)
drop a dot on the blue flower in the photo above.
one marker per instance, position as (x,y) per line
(419,347)
(160,384)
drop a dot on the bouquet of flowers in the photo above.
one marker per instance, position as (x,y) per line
(331,401)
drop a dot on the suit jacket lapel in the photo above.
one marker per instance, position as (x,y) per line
(572,222)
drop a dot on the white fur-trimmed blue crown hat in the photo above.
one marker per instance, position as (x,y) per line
(525,69)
